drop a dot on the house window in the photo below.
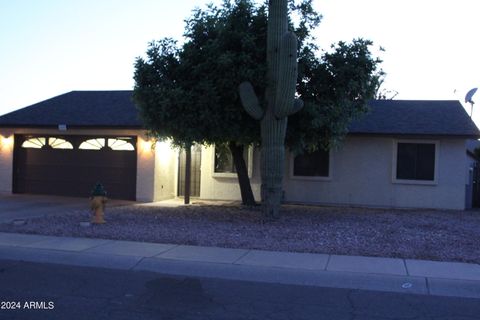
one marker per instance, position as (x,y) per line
(223,165)
(224,159)
(415,161)
(314,164)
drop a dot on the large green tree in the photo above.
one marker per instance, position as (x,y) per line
(223,47)
(164,103)
(335,89)
(189,93)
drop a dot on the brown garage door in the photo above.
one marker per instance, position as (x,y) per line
(71,165)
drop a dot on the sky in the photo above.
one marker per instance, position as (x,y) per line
(50,47)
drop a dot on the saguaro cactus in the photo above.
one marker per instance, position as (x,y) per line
(280,103)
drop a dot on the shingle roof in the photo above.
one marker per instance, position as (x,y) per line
(415,117)
(78,108)
(116,109)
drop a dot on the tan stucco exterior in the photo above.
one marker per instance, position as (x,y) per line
(166,171)
(362,174)
(225,186)
(6,160)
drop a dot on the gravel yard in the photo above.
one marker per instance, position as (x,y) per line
(417,234)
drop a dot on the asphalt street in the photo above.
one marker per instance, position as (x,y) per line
(49,291)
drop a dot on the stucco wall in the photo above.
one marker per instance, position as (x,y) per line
(6,160)
(165,171)
(145,169)
(226,187)
(145,158)
(362,174)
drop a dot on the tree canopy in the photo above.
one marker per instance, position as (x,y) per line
(335,88)
(189,93)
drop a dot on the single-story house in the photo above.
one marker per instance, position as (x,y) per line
(401,154)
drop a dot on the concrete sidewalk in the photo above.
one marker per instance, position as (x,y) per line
(20,206)
(368,273)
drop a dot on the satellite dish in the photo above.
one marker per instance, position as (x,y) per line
(469,96)
(468,99)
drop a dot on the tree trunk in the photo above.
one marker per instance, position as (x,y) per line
(188,174)
(242,173)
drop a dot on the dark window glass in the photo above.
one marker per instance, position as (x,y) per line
(224,160)
(416,161)
(315,164)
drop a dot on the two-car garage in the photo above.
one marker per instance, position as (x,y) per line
(66,144)
(70,165)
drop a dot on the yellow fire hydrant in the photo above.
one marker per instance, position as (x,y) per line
(98,200)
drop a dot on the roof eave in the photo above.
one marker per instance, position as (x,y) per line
(36,126)
(416,135)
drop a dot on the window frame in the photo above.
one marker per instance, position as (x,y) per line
(249,164)
(292,176)
(436,143)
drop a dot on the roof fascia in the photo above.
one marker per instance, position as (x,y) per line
(451,136)
(26,126)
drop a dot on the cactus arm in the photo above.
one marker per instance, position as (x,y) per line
(287,76)
(297,106)
(250,101)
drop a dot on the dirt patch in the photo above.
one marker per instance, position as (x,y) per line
(416,234)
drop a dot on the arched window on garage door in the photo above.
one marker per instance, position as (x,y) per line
(34,143)
(45,142)
(115,144)
(92,144)
(59,143)
(119,144)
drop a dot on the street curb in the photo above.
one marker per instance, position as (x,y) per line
(355,272)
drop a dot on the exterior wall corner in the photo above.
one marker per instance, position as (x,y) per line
(6,160)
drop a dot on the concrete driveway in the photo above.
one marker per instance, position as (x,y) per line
(18,206)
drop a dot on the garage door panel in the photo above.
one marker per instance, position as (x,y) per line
(60,188)
(87,176)
(74,172)
(78,157)
(80,189)
(71,168)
